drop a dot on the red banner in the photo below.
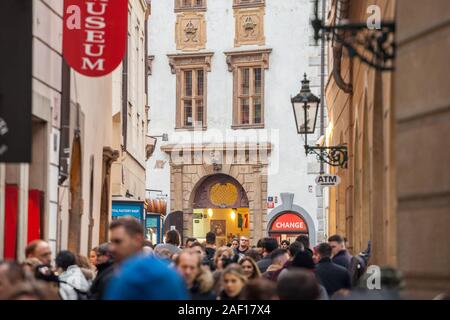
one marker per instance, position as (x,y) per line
(95,35)
(289,222)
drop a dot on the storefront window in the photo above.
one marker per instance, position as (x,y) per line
(225,223)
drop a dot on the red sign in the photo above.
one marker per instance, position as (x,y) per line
(95,35)
(289,222)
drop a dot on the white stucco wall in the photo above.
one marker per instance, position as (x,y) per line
(287,34)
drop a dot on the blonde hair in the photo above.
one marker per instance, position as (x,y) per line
(236,270)
(256,271)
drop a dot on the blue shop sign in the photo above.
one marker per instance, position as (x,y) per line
(128,208)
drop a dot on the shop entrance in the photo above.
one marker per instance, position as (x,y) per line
(288,226)
(220,206)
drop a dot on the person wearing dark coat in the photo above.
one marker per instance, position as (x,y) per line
(331,275)
(268,246)
(340,254)
(198,279)
(105,271)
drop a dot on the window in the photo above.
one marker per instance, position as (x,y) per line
(247,3)
(190,5)
(248,96)
(191,88)
(192,99)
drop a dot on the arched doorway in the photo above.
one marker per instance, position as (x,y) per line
(220,205)
(288,221)
(288,225)
(75,210)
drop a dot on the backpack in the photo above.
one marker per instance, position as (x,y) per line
(357,269)
(359,263)
(81,295)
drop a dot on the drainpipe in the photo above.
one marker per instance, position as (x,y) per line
(342,8)
(322,84)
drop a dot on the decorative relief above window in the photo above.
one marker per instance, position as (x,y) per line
(190,5)
(248,3)
(248,86)
(191,71)
(190,31)
(249,26)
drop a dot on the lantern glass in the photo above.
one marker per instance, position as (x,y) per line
(305,121)
(306,107)
(309,126)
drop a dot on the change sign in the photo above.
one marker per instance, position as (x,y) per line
(95,35)
(328,180)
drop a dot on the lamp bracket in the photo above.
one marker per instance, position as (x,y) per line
(373,46)
(336,156)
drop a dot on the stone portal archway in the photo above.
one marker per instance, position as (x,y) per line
(219,191)
(186,179)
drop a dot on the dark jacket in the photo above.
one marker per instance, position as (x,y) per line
(203,288)
(105,272)
(343,258)
(264,263)
(197,294)
(223,296)
(208,260)
(332,276)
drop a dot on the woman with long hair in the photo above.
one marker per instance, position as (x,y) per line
(250,268)
(233,281)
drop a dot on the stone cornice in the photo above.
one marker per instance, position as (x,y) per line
(216,147)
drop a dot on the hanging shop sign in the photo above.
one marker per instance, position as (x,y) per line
(95,35)
(328,180)
(289,222)
(16,38)
(128,208)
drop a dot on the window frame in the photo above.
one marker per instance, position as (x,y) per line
(180,63)
(180,8)
(251,95)
(193,98)
(255,3)
(237,61)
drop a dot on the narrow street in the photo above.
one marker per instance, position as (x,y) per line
(225,150)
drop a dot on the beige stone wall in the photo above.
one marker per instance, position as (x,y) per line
(362,207)
(184,179)
(422,102)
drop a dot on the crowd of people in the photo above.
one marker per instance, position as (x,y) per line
(130,267)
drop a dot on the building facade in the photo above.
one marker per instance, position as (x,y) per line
(389,193)
(130,112)
(362,206)
(422,114)
(232,148)
(64,195)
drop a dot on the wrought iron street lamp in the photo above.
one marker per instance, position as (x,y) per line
(306,105)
